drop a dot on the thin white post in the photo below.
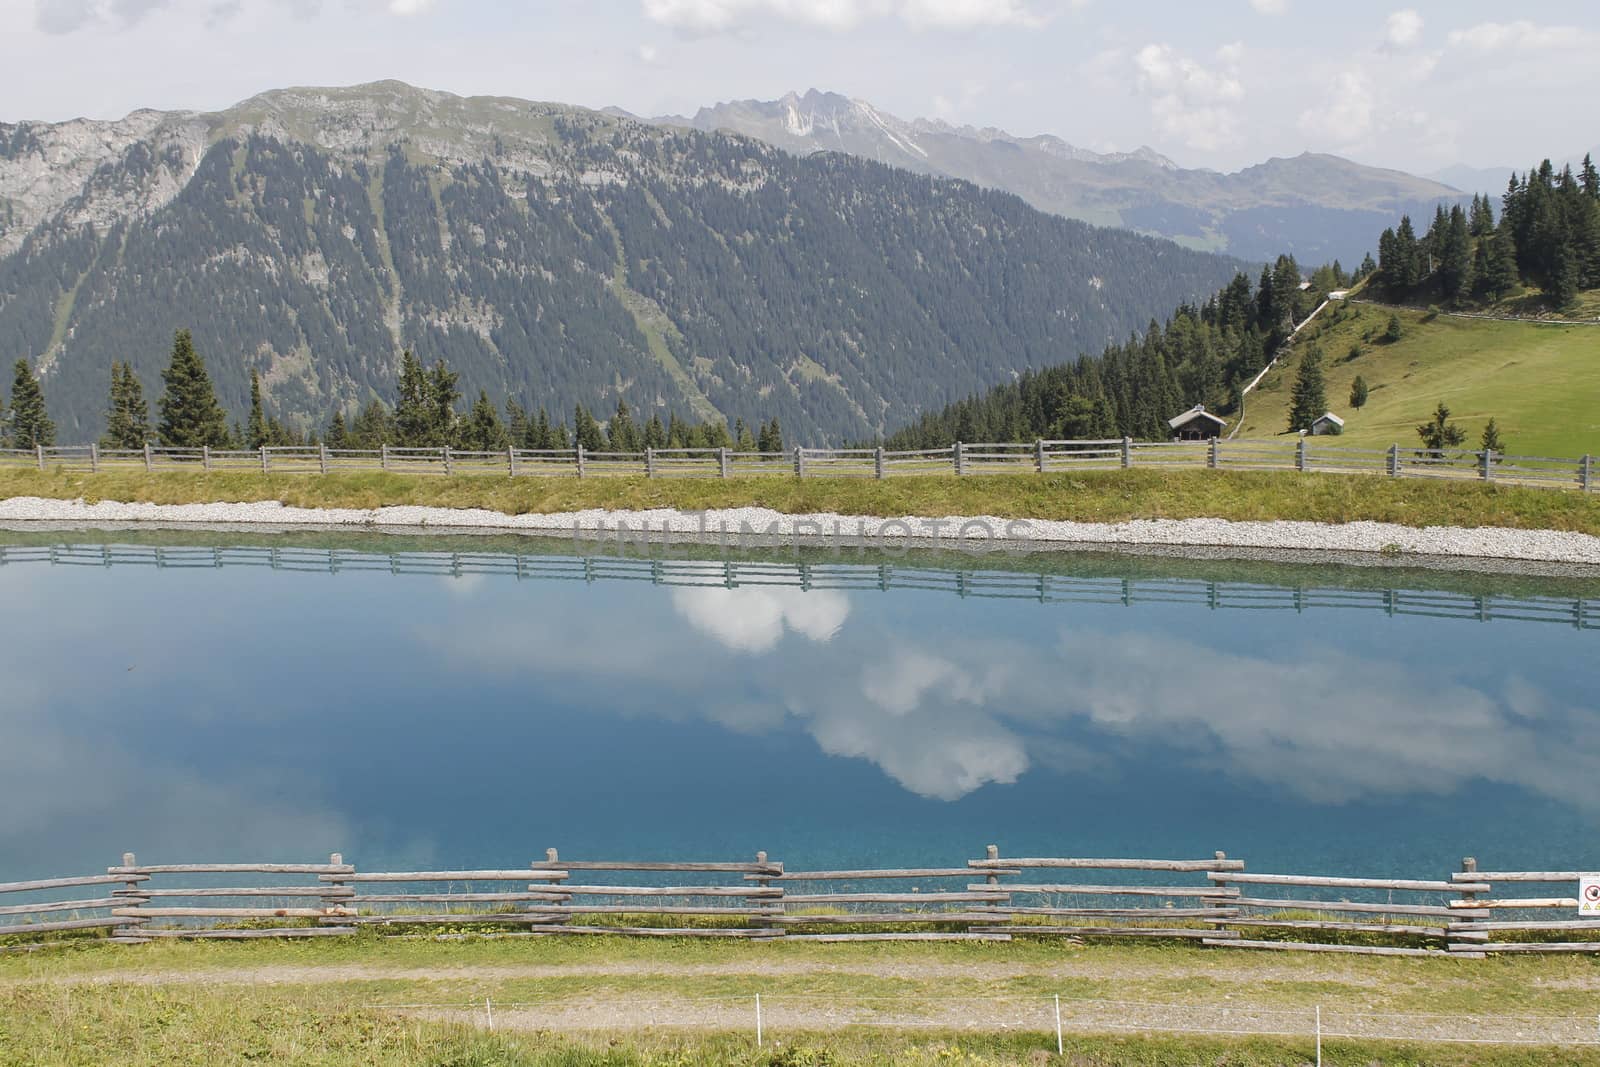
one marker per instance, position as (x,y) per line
(148,462)
(722,462)
(1319,1035)
(383,457)
(1488,464)
(649,462)
(205,457)
(877,463)
(1127,452)
(1300,453)
(446,451)
(263,459)
(799,462)
(758,1020)
(511,459)
(94,458)
(322,457)
(488,1009)
(961,458)
(1038,455)
(1060,1048)
(580,459)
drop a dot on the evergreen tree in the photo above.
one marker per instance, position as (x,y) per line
(1455,257)
(255,429)
(30,421)
(771,439)
(586,431)
(1358,393)
(337,435)
(1490,441)
(1441,433)
(1565,273)
(655,434)
(624,436)
(1308,399)
(128,416)
(443,428)
(1501,276)
(743,439)
(414,411)
(191,417)
(1589,178)
(1367,268)
(1393,332)
(1408,257)
(516,422)
(482,430)
(538,434)
(372,428)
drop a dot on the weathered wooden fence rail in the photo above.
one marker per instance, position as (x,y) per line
(1012,584)
(1304,454)
(1213,902)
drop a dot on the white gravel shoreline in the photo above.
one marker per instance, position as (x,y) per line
(763,523)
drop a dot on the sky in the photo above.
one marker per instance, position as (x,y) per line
(1219,83)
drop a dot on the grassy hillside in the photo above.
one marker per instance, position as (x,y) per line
(1541,383)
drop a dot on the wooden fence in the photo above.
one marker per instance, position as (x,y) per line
(1043,587)
(1314,454)
(1213,902)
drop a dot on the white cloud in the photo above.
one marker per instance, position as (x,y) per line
(409,7)
(1346,113)
(1520,36)
(716,16)
(1191,102)
(1270,7)
(755,619)
(1403,28)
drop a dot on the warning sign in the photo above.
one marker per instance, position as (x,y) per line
(1589,896)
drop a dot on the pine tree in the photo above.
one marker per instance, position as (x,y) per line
(444,391)
(127,416)
(255,428)
(586,431)
(482,430)
(190,414)
(624,436)
(655,434)
(413,413)
(1502,277)
(1358,393)
(1441,433)
(516,422)
(1490,441)
(1308,399)
(538,435)
(373,427)
(1564,275)
(1589,178)
(30,421)
(337,435)
(1393,331)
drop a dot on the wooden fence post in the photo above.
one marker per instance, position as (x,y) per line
(961,458)
(446,451)
(94,458)
(148,463)
(383,457)
(1472,942)
(205,457)
(877,463)
(335,892)
(129,930)
(1586,474)
(1038,454)
(1220,901)
(265,463)
(1486,465)
(580,459)
(799,462)
(1213,457)
(322,458)
(1127,452)
(38,455)
(649,462)
(1300,454)
(722,462)
(511,459)
(1394,461)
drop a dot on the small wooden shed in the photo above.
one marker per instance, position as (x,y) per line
(1327,423)
(1197,424)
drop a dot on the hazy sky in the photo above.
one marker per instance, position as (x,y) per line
(1220,83)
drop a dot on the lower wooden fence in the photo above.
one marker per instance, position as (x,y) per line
(1212,901)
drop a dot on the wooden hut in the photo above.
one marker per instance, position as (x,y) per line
(1197,424)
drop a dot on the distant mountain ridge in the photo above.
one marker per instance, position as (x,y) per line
(1317,207)
(550,253)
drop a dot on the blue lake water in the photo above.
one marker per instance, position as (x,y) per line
(473,702)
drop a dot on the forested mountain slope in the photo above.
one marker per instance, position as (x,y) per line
(550,254)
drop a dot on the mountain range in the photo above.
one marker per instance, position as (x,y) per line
(551,253)
(1315,207)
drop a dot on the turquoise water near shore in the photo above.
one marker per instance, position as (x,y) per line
(471,702)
